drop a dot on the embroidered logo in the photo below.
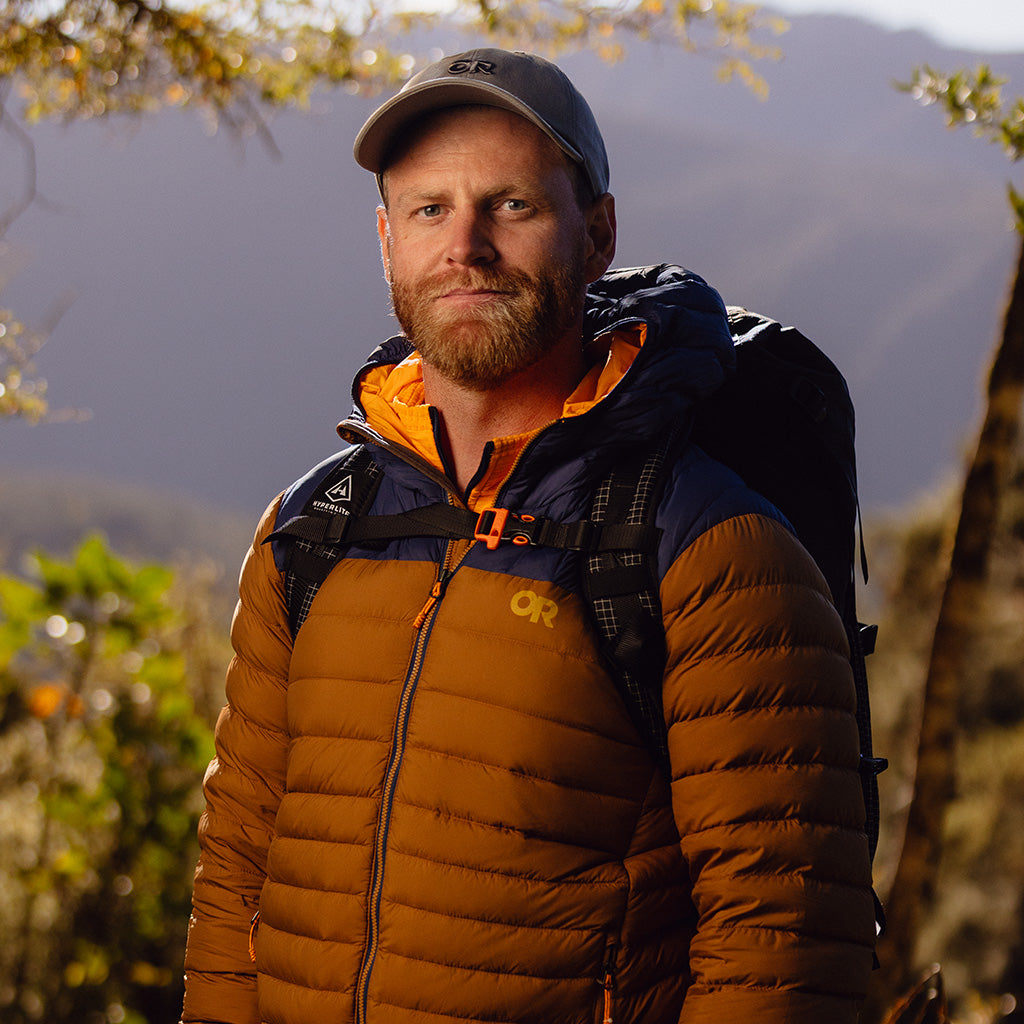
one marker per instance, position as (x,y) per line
(471,67)
(539,609)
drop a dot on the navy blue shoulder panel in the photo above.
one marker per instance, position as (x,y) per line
(700,494)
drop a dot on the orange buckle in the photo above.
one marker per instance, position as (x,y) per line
(490,525)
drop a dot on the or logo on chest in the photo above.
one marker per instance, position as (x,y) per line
(539,609)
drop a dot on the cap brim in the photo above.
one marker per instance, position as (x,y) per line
(377,136)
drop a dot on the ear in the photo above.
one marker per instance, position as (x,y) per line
(600,227)
(385,242)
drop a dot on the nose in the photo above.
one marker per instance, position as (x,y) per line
(470,242)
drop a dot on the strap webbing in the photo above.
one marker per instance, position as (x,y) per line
(449,522)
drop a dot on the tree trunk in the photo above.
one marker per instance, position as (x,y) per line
(960,615)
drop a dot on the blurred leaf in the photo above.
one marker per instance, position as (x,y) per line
(1017,205)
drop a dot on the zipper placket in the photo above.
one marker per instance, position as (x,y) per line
(423,624)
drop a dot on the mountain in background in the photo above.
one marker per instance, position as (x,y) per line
(225,297)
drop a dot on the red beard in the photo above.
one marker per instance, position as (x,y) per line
(483,346)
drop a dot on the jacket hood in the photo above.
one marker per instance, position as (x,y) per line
(688,352)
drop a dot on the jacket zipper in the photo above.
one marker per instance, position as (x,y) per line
(417,461)
(608,981)
(423,625)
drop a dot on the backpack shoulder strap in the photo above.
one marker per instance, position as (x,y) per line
(311,539)
(336,514)
(622,591)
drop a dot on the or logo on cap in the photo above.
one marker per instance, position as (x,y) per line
(471,67)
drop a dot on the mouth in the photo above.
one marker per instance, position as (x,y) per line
(470,291)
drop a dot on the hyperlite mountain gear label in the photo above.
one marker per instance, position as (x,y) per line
(335,499)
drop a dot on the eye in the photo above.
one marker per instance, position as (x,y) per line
(515,205)
(430,211)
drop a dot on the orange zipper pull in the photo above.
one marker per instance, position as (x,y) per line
(609,982)
(435,594)
(252,936)
(445,572)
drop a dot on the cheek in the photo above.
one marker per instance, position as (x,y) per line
(405,257)
(398,270)
(569,248)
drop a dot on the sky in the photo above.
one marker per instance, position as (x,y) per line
(984,25)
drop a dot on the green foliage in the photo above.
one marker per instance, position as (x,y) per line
(103,743)
(729,30)
(974,98)
(84,58)
(22,392)
(1017,205)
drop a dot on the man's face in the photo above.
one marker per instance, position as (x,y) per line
(486,249)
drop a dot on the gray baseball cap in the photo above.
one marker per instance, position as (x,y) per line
(523,83)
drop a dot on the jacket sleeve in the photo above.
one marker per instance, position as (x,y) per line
(760,704)
(243,788)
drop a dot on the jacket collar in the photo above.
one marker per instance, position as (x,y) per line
(687,354)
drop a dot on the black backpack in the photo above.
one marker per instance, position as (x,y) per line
(783,422)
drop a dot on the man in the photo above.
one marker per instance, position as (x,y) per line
(432,804)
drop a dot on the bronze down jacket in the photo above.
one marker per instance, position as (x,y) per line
(438,803)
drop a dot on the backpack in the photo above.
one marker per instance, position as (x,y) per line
(783,422)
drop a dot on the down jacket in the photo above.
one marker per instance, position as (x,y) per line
(435,798)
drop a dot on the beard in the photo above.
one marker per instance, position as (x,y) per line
(482,350)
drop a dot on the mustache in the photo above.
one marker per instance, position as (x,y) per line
(479,279)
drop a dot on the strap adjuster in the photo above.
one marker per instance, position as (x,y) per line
(492,527)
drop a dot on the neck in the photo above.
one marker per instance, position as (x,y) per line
(525,402)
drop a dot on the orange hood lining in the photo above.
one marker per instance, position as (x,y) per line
(394,402)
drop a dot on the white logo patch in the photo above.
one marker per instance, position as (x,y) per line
(341,492)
